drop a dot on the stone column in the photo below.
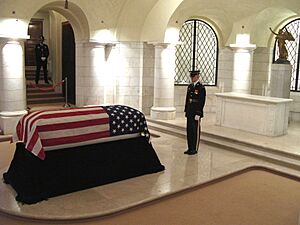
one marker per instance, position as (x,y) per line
(12,84)
(163,102)
(280,80)
(91,73)
(242,67)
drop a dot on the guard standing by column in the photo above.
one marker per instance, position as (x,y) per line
(41,56)
(194,104)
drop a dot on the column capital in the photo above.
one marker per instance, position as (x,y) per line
(7,40)
(19,39)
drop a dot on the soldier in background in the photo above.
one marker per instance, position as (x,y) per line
(41,56)
(194,104)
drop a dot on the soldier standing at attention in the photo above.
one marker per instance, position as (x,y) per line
(194,103)
(41,56)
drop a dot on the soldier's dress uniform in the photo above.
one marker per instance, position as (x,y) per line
(194,104)
(41,50)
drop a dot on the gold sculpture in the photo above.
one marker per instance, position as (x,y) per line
(281,37)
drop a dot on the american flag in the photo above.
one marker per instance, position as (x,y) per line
(126,120)
(43,130)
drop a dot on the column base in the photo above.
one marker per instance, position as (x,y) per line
(163,113)
(9,120)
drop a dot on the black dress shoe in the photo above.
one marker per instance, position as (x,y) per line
(187,151)
(192,152)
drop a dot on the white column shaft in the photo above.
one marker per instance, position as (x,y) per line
(163,104)
(12,84)
(242,68)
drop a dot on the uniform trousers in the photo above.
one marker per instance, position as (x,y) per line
(38,69)
(193,133)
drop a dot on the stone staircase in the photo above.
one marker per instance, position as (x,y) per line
(43,94)
(229,143)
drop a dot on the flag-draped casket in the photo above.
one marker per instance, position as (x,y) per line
(62,151)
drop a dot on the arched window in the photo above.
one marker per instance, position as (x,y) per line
(293,48)
(198,51)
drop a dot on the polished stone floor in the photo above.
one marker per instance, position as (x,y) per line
(181,172)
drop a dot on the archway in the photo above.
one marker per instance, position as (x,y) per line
(54,17)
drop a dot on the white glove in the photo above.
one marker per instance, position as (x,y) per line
(43,58)
(197,117)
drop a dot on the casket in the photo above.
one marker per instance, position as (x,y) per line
(63,151)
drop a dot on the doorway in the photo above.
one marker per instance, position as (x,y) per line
(68,60)
(35,30)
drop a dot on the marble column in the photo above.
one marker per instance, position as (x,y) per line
(242,67)
(280,83)
(163,101)
(93,83)
(12,84)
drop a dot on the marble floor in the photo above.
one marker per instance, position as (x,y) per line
(182,172)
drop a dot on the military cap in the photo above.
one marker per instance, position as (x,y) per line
(194,73)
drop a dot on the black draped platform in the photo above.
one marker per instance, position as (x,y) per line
(73,169)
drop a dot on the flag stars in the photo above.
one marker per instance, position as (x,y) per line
(126,120)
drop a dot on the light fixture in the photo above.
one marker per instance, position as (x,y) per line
(66,4)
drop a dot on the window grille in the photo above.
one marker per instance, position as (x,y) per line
(293,48)
(198,51)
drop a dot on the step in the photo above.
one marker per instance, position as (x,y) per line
(36,90)
(30,73)
(269,154)
(46,100)
(41,84)
(43,95)
(31,78)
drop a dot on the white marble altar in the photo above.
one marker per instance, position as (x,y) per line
(257,114)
